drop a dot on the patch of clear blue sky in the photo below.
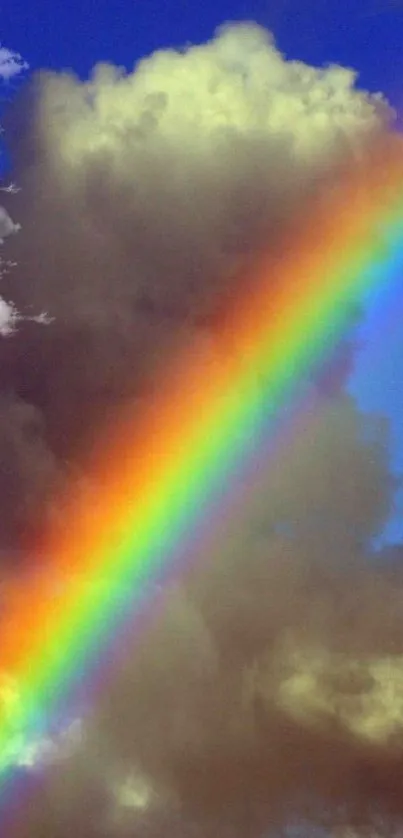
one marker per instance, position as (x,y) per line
(363,34)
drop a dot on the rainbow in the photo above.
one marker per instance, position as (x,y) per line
(163,474)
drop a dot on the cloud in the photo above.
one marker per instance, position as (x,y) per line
(260,692)
(11,64)
(8,312)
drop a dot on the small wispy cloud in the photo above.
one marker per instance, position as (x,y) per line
(11,64)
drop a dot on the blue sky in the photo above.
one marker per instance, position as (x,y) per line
(363,34)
